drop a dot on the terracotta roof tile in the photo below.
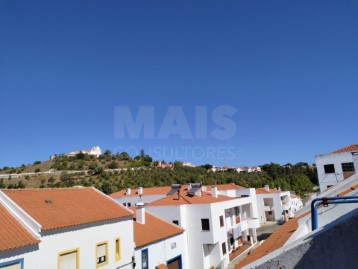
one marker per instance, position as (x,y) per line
(205,198)
(146,191)
(350,148)
(161,266)
(59,208)
(229,186)
(153,230)
(263,191)
(280,236)
(12,233)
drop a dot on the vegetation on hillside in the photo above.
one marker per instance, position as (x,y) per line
(142,171)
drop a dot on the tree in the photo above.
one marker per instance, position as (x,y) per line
(37,170)
(113,165)
(107,153)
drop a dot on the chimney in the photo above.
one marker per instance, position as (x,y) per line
(267,188)
(128,191)
(214,191)
(279,188)
(140,212)
(189,186)
(140,190)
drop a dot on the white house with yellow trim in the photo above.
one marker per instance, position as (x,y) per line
(65,229)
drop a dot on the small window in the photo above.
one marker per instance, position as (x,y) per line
(348,167)
(223,246)
(237,211)
(221,221)
(118,249)
(125,204)
(101,254)
(329,169)
(173,245)
(145,259)
(68,259)
(205,226)
(15,264)
(176,222)
(129,204)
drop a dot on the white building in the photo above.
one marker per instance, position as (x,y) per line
(64,228)
(336,166)
(215,225)
(158,244)
(272,205)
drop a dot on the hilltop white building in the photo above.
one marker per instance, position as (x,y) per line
(336,166)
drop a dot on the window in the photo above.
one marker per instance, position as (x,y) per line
(118,249)
(348,167)
(145,259)
(101,254)
(173,245)
(68,259)
(223,246)
(329,169)
(205,225)
(129,204)
(176,222)
(221,221)
(237,211)
(15,264)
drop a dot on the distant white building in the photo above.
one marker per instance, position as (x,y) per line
(188,164)
(64,228)
(272,205)
(336,166)
(95,151)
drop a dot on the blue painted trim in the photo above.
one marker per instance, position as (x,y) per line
(141,261)
(176,258)
(21,261)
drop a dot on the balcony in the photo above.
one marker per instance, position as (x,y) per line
(237,220)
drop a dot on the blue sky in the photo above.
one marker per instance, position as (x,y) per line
(289,68)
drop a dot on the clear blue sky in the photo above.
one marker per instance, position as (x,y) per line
(289,68)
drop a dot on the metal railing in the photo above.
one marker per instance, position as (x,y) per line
(325,201)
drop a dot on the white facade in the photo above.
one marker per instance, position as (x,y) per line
(162,252)
(96,151)
(327,176)
(272,206)
(116,237)
(226,220)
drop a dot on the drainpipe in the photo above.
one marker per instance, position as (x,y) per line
(325,201)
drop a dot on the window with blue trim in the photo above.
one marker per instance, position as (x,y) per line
(145,259)
(15,264)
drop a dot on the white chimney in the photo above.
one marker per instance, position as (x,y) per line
(279,188)
(214,191)
(189,186)
(267,188)
(128,191)
(140,212)
(140,190)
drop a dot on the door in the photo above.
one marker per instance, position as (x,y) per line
(174,263)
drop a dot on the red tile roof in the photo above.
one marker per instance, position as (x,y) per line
(280,236)
(263,191)
(350,148)
(153,230)
(12,233)
(59,208)
(205,198)
(146,191)
(230,186)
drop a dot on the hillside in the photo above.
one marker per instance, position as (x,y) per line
(112,172)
